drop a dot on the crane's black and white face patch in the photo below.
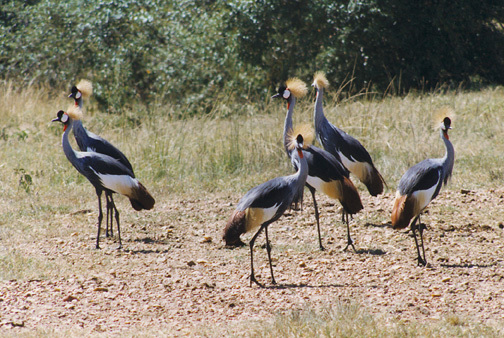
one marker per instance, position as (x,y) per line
(299,140)
(64,118)
(283,92)
(446,123)
(61,117)
(75,93)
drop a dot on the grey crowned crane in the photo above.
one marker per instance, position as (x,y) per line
(420,185)
(87,141)
(346,148)
(263,205)
(104,172)
(325,172)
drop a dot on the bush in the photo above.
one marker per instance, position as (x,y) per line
(195,52)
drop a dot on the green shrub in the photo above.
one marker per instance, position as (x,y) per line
(194,52)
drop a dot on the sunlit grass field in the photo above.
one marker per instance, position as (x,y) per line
(229,150)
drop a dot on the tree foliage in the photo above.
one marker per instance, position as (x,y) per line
(192,51)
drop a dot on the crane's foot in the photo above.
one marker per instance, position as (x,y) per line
(421,261)
(353,247)
(350,243)
(273,281)
(253,279)
(321,247)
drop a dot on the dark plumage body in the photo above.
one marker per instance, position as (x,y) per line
(105,174)
(263,205)
(346,148)
(325,172)
(88,141)
(419,186)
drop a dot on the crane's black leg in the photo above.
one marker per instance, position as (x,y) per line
(421,228)
(349,238)
(100,218)
(114,208)
(312,190)
(268,250)
(414,227)
(108,198)
(251,244)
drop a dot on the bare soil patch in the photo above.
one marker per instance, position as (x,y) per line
(174,271)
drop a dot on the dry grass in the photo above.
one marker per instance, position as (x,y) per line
(226,152)
(348,320)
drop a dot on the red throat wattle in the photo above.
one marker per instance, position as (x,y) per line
(300,153)
(65,127)
(445,133)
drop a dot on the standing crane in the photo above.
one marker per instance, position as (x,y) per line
(104,172)
(346,148)
(263,205)
(325,172)
(87,141)
(420,185)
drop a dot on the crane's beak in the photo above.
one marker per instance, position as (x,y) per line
(59,120)
(276,96)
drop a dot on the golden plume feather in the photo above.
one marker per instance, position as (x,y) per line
(320,80)
(85,87)
(74,112)
(297,87)
(306,131)
(440,114)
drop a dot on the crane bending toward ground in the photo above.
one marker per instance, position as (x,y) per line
(264,204)
(346,148)
(104,172)
(88,141)
(420,185)
(325,172)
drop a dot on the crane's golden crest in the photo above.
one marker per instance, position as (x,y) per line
(85,87)
(297,87)
(440,115)
(74,112)
(304,130)
(320,80)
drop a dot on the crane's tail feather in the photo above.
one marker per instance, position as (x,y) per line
(350,199)
(141,198)
(374,182)
(403,211)
(235,226)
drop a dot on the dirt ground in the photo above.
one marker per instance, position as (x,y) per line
(175,272)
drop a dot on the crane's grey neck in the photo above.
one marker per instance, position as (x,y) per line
(291,102)
(77,126)
(448,159)
(67,148)
(302,172)
(318,114)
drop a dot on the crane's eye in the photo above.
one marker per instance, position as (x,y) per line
(286,94)
(64,118)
